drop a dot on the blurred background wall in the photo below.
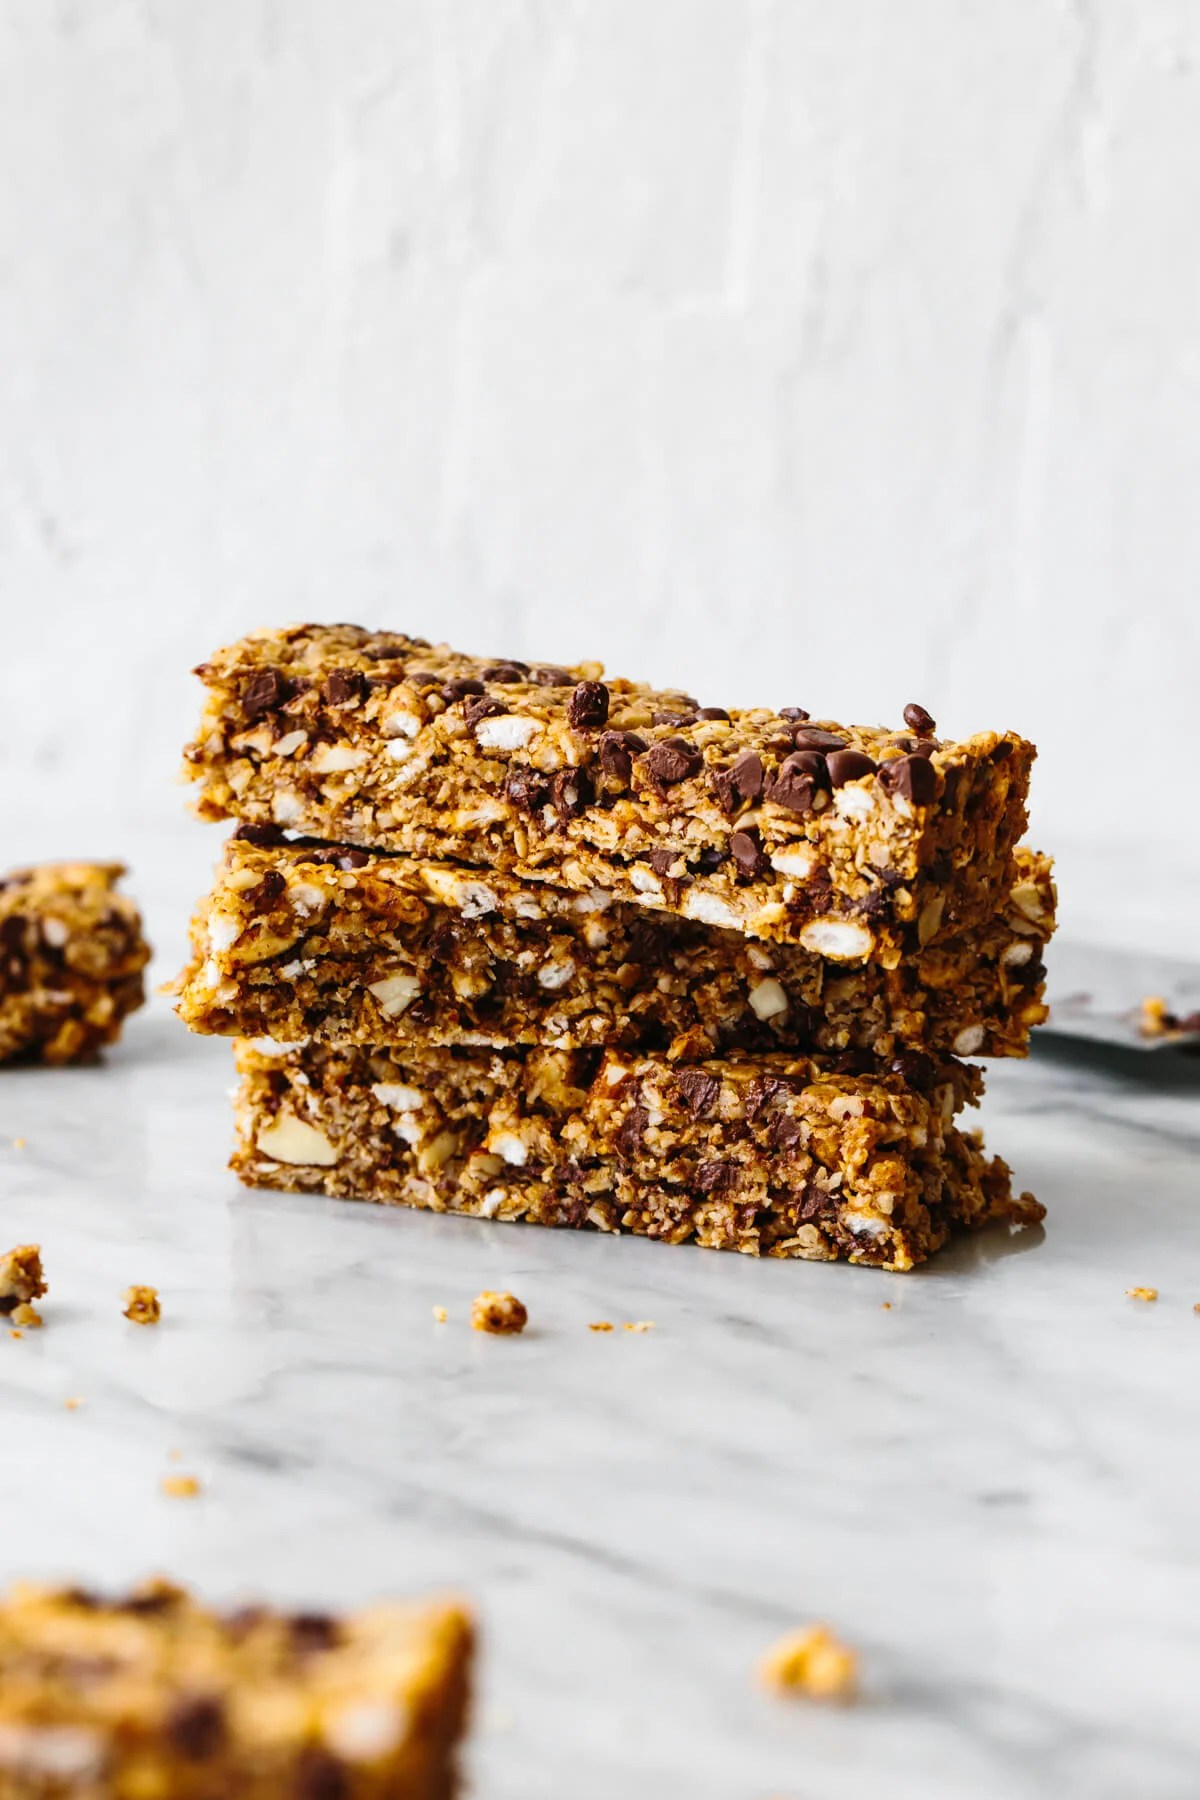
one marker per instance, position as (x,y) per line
(826,352)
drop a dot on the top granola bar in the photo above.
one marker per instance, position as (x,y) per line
(854,841)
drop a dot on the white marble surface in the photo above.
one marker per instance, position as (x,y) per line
(989,1488)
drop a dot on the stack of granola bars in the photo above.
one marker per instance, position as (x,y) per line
(515,941)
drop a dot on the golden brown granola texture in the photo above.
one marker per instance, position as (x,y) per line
(307,941)
(155,1695)
(71,960)
(774,1155)
(852,841)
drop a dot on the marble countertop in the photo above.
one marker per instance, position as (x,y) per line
(990,1488)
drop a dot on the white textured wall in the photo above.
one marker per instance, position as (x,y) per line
(835,352)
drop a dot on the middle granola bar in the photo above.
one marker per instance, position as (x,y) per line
(300,942)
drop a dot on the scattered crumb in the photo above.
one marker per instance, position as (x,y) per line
(72,1403)
(638,1325)
(22,1278)
(440,1314)
(29,1316)
(180,1487)
(811,1662)
(501,1314)
(1196,1308)
(142,1305)
(174,1455)
(1158,1021)
(606,1324)
(1142,1293)
(887,1306)
(18,1143)
(16,1334)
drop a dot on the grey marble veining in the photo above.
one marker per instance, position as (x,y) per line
(989,1488)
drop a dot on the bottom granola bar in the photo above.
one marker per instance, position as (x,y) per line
(71,960)
(776,1155)
(153,1695)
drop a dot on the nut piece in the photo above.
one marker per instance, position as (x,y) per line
(288,1139)
(502,1314)
(22,1278)
(811,1662)
(142,1305)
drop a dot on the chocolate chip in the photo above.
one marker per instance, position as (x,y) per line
(571,791)
(617,751)
(550,677)
(919,719)
(662,861)
(913,776)
(810,737)
(267,837)
(699,1093)
(673,718)
(587,709)
(353,859)
(460,688)
(746,849)
(507,673)
(526,788)
(344,686)
(848,765)
(799,778)
(671,761)
(784,1132)
(708,861)
(915,1068)
(243,1620)
(925,747)
(713,712)
(760,1093)
(320,1776)
(420,678)
(796,714)
(483,706)
(267,891)
(649,940)
(633,1130)
(147,1605)
(83,1598)
(265,693)
(313,1631)
(195,1726)
(740,782)
(716,1177)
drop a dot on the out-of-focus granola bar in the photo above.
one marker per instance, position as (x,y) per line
(852,841)
(300,942)
(775,1155)
(154,1695)
(71,960)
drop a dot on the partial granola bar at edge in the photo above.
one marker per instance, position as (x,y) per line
(771,1155)
(854,841)
(154,1694)
(310,941)
(72,954)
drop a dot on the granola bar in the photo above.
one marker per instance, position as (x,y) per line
(775,1155)
(852,841)
(22,1278)
(300,942)
(154,1695)
(71,960)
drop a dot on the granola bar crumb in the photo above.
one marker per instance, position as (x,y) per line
(812,1662)
(1142,1293)
(22,1278)
(18,1143)
(16,1334)
(501,1314)
(72,1402)
(638,1325)
(440,1314)
(180,1487)
(28,1316)
(142,1306)
(887,1306)
(606,1324)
